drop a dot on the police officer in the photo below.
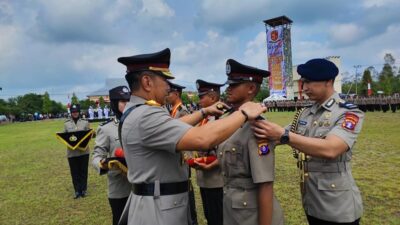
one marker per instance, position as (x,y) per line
(209,176)
(174,99)
(178,110)
(153,142)
(107,143)
(78,159)
(247,167)
(324,136)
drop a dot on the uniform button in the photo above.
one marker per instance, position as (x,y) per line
(233,149)
(175,203)
(308,157)
(245,203)
(333,185)
(220,153)
(224,192)
(223,173)
(306,174)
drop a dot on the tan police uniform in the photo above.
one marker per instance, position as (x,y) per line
(209,178)
(329,191)
(243,169)
(107,142)
(149,137)
(78,160)
(71,126)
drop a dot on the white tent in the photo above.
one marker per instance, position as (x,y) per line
(274,97)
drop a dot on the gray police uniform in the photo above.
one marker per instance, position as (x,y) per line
(209,178)
(107,142)
(71,126)
(243,169)
(329,191)
(181,111)
(149,137)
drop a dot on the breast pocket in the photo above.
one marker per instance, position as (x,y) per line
(234,154)
(321,132)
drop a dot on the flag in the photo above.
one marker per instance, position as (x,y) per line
(76,140)
(369,89)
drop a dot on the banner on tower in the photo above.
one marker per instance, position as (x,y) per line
(276,62)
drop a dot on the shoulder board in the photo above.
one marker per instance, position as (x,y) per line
(105,122)
(347,105)
(308,105)
(84,119)
(67,120)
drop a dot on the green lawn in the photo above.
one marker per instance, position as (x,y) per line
(36,187)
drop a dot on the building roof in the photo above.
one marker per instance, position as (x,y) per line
(110,83)
(277,21)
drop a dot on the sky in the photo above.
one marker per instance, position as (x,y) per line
(66,47)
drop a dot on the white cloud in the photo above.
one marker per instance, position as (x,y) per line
(156,8)
(10,39)
(256,52)
(346,33)
(378,3)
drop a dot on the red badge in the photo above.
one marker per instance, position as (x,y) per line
(350,121)
(274,35)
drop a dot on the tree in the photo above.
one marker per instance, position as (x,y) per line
(74,99)
(46,109)
(386,79)
(185,98)
(366,78)
(101,102)
(263,92)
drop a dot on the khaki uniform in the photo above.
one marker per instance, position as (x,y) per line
(209,178)
(149,137)
(243,169)
(329,191)
(71,126)
(107,142)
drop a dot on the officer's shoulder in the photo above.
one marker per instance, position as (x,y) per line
(68,120)
(347,105)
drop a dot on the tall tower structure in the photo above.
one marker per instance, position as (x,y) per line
(279,51)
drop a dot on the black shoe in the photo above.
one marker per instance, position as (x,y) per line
(83,194)
(77,195)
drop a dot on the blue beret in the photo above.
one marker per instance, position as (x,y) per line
(318,70)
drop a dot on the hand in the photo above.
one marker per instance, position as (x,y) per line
(201,166)
(103,165)
(264,129)
(215,109)
(252,109)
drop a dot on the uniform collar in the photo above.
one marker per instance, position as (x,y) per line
(328,104)
(137,100)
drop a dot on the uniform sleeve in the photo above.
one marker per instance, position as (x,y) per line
(262,166)
(348,126)
(101,148)
(161,132)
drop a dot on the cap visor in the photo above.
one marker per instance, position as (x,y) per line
(168,75)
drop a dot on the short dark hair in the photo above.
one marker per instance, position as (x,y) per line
(133,78)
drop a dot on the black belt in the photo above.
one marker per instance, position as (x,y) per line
(165,188)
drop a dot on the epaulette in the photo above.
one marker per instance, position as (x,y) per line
(347,105)
(308,105)
(105,122)
(67,120)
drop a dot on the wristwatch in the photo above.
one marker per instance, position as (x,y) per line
(285,137)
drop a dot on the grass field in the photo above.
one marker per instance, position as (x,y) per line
(36,187)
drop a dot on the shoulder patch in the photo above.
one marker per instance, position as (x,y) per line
(350,121)
(105,122)
(347,105)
